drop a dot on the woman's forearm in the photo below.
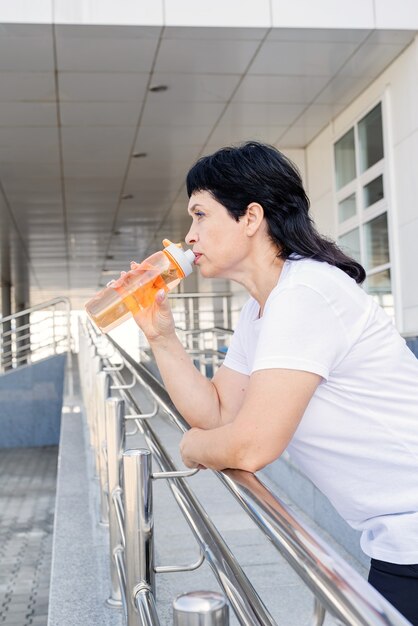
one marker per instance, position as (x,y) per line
(218,448)
(194,396)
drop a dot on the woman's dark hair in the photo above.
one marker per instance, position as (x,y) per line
(255,172)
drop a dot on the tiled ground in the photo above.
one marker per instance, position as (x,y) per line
(27,499)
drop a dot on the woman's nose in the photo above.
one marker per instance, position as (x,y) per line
(190,238)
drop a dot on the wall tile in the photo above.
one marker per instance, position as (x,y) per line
(323,14)
(146,12)
(399,14)
(25,11)
(242,13)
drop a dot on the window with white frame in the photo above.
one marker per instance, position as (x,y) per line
(360,182)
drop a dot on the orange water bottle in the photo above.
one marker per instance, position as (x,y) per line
(136,289)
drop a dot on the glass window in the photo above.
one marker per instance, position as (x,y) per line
(376,241)
(360,182)
(350,243)
(373,191)
(345,161)
(379,286)
(371,138)
(347,208)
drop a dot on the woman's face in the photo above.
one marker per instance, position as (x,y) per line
(219,241)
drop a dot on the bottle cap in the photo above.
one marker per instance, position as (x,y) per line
(183,258)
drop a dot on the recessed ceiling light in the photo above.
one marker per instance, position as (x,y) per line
(158,88)
(139,155)
(127,196)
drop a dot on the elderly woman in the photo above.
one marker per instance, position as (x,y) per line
(315,366)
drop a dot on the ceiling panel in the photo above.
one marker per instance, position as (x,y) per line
(33,186)
(28,143)
(106,54)
(283,89)
(26,48)
(28,199)
(29,169)
(323,35)
(223,86)
(229,133)
(27,87)
(151,138)
(75,196)
(94,183)
(184,87)
(370,60)
(208,56)
(99,113)
(109,143)
(342,89)
(102,87)
(296,58)
(28,114)
(82,168)
(296,136)
(250,114)
(164,113)
(201,32)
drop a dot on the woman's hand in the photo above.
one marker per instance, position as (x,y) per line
(156,321)
(187,448)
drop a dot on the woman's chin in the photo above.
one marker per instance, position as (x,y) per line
(206,273)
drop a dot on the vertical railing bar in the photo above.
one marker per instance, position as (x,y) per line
(102,393)
(120,569)
(115,435)
(318,615)
(139,527)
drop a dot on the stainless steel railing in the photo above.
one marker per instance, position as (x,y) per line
(35,333)
(127,506)
(202,309)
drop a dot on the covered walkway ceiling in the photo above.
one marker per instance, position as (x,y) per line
(99,124)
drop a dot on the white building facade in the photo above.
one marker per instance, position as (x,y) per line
(379,226)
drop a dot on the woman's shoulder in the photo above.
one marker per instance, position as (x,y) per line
(329,282)
(317,275)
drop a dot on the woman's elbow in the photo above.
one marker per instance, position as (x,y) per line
(252,458)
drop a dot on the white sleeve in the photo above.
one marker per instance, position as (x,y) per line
(300,331)
(236,357)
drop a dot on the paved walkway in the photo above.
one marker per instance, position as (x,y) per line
(27,499)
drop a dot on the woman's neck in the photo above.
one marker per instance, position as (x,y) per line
(261,275)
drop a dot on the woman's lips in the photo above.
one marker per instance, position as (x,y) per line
(197,256)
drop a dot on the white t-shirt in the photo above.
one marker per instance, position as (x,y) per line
(358,438)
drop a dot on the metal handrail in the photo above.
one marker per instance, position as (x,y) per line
(14,339)
(38,307)
(341,590)
(337,588)
(249,609)
(201,294)
(16,347)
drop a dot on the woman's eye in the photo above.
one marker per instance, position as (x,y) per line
(199,214)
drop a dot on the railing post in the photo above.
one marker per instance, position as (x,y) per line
(102,393)
(115,430)
(200,608)
(139,527)
(92,405)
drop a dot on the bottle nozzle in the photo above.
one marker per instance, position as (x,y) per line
(167,242)
(183,258)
